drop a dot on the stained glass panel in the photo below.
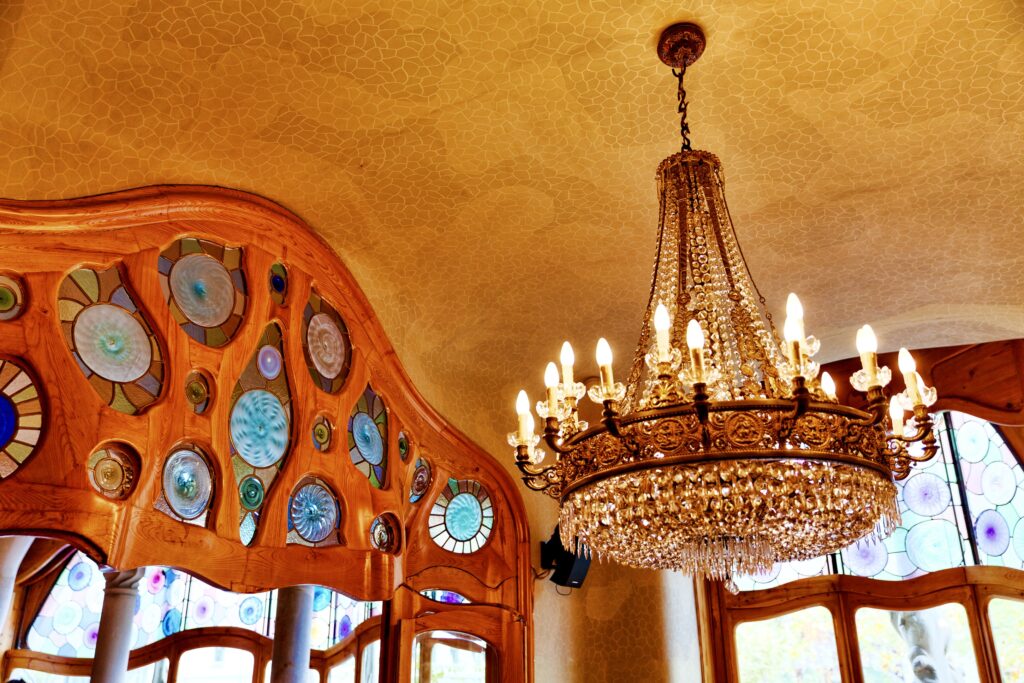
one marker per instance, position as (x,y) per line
(799,647)
(931,644)
(370,663)
(994,482)
(170,601)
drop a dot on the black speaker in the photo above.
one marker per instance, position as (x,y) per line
(569,569)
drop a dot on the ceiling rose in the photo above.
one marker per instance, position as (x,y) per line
(726,450)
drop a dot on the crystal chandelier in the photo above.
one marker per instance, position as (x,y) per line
(725,451)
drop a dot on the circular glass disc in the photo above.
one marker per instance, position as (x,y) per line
(112,343)
(326,345)
(259,428)
(314,513)
(463,517)
(367,437)
(187,483)
(203,289)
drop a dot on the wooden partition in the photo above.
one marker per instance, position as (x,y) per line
(132,241)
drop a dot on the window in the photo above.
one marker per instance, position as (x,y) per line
(928,644)
(1007,618)
(215,665)
(171,601)
(370,663)
(799,647)
(344,672)
(152,673)
(448,657)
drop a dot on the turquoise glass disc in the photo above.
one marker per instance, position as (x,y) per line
(187,483)
(259,428)
(367,437)
(112,343)
(203,290)
(463,516)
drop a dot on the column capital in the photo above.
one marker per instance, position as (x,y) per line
(127,581)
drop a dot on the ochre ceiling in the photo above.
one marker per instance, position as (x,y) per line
(486,168)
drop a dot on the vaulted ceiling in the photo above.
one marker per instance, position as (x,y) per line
(486,169)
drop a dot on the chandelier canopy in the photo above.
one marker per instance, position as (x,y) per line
(725,451)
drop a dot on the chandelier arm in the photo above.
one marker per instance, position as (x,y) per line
(551,430)
(610,418)
(876,408)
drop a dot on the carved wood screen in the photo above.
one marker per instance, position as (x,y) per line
(192,378)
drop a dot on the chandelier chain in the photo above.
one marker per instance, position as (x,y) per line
(684,127)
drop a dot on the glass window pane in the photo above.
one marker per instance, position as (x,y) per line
(448,657)
(215,665)
(799,647)
(1007,618)
(344,672)
(370,662)
(928,645)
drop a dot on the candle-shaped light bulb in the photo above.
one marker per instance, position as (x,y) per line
(525,418)
(795,312)
(896,415)
(910,377)
(662,324)
(828,385)
(604,363)
(568,358)
(551,382)
(867,347)
(791,330)
(695,342)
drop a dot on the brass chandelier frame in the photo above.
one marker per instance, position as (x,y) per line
(729,468)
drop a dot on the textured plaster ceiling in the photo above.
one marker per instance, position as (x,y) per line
(486,168)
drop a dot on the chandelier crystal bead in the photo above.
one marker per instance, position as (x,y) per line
(724,452)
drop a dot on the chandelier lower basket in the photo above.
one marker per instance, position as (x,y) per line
(729,517)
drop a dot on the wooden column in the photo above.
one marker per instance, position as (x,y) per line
(114,641)
(290,663)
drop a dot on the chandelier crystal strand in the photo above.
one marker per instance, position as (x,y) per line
(723,453)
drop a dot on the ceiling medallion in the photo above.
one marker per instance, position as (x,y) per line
(724,452)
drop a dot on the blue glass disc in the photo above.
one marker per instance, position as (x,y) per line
(250,611)
(367,437)
(8,420)
(79,576)
(321,598)
(259,428)
(463,516)
(313,513)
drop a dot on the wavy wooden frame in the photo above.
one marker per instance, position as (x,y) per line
(50,496)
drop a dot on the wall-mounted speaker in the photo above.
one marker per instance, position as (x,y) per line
(568,568)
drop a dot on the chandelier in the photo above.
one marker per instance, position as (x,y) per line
(725,451)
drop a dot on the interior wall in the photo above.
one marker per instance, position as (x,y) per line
(622,625)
